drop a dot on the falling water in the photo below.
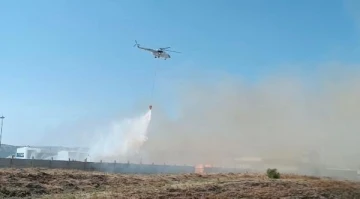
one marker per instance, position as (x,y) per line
(123,139)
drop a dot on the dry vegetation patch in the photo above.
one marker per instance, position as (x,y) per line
(46,183)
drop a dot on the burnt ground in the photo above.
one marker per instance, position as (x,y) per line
(46,183)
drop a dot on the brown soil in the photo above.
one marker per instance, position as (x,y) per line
(45,183)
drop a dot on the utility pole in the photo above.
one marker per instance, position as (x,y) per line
(2,122)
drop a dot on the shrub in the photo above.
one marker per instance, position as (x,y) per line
(273,173)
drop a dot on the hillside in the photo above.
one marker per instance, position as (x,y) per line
(42,183)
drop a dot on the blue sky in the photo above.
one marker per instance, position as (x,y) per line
(64,61)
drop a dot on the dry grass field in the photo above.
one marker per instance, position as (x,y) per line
(45,183)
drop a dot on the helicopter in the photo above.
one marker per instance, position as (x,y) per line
(159,53)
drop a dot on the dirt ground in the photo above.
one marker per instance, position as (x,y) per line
(46,183)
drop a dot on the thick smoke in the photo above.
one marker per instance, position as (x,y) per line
(282,116)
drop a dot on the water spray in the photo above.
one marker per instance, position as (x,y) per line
(122,139)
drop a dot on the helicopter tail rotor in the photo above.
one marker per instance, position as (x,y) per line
(136,44)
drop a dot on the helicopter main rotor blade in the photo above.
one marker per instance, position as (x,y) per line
(173,51)
(164,48)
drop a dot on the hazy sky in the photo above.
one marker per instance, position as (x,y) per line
(67,63)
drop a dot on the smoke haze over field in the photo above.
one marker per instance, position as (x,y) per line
(281,116)
(221,116)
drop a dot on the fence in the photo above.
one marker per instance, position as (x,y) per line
(105,166)
(141,168)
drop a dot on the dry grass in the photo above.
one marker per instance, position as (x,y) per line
(45,183)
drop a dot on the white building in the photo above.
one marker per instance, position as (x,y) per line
(37,153)
(26,153)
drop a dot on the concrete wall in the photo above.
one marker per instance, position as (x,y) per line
(224,170)
(96,166)
(143,168)
(108,167)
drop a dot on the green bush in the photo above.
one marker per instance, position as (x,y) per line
(273,173)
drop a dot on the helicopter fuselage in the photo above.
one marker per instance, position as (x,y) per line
(161,54)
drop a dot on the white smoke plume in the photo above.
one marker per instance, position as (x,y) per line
(122,140)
